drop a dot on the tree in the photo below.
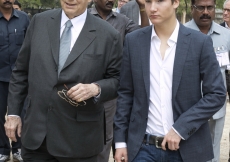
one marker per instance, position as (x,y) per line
(219,4)
(50,3)
(30,3)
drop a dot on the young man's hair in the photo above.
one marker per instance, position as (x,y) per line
(17,3)
(193,1)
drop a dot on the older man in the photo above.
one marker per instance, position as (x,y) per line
(67,68)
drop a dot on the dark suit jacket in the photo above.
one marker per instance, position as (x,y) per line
(222,24)
(131,10)
(195,60)
(96,56)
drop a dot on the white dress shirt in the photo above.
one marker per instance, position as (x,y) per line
(78,23)
(226,26)
(160,115)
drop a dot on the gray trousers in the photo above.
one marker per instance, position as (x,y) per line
(216,128)
(110,109)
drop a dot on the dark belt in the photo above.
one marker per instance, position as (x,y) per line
(153,140)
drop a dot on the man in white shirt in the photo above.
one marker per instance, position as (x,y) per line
(203,14)
(68,66)
(161,114)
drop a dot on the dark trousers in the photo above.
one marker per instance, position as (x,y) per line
(4,140)
(149,153)
(43,155)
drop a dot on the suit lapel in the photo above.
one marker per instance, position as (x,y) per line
(182,47)
(85,38)
(54,34)
(145,39)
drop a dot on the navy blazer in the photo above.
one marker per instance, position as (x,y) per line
(195,61)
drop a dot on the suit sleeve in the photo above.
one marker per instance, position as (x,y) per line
(109,84)
(125,99)
(214,94)
(18,87)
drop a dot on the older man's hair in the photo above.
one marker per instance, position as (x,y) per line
(193,1)
(225,2)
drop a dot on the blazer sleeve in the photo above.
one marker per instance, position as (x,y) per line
(109,84)
(214,94)
(18,87)
(125,97)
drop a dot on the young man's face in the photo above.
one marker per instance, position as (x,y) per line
(226,12)
(161,11)
(73,8)
(203,12)
(121,3)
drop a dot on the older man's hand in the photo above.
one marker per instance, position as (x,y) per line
(13,124)
(82,92)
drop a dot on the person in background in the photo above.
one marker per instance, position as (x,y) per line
(203,14)
(103,10)
(161,113)
(17,6)
(120,3)
(132,11)
(13,27)
(226,14)
(226,24)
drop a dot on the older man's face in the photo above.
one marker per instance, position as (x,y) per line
(226,12)
(6,4)
(73,8)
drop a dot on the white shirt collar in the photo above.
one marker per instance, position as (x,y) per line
(172,38)
(226,26)
(75,21)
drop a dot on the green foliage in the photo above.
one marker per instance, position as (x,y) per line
(40,3)
(219,4)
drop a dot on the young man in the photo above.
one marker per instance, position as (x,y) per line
(161,114)
(203,13)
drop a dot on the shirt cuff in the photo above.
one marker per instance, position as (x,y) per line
(96,98)
(120,145)
(178,133)
(14,115)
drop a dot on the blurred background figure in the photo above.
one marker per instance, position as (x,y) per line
(226,14)
(13,26)
(17,6)
(120,3)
